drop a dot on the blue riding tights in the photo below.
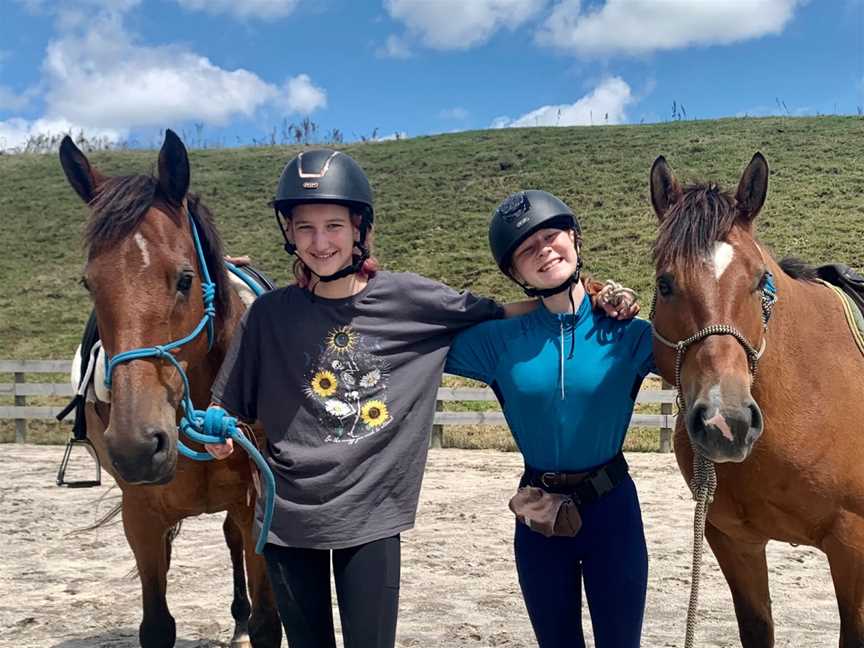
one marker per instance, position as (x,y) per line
(608,554)
(367,588)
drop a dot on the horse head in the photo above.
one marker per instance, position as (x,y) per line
(145,276)
(714,294)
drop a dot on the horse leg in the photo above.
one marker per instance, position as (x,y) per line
(240,607)
(845,549)
(746,572)
(265,628)
(147,535)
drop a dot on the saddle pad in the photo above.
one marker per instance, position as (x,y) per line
(854,317)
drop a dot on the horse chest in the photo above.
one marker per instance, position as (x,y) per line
(758,510)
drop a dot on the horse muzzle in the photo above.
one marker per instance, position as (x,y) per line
(724,432)
(146,455)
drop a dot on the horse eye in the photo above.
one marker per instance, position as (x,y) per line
(83,282)
(664,285)
(184,283)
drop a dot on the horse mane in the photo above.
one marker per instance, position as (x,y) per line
(121,204)
(704,214)
(798,269)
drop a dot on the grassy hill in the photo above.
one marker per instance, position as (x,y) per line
(434,197)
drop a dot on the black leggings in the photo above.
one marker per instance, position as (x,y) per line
(367,588)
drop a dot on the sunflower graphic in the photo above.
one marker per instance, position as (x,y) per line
(324,383)
(374,413)
(342,340)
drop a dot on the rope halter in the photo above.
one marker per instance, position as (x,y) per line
(212,425)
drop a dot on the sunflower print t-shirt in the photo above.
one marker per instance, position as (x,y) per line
(345,389)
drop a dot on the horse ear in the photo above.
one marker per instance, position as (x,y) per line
(173,169)
(83,178)
(665,190)
(753,188)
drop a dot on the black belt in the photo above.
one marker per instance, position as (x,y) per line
(583,487)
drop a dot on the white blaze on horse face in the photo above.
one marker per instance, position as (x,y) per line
(723,254)
(142,245)
(715,398)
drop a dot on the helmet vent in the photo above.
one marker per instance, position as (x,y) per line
(312,174)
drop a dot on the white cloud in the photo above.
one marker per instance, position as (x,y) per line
(102,78)
(15,132)
(243,8)
(302,96)
(395,47)
(606,104)
(643,26)
(98,76)
(457,24)
(457,113)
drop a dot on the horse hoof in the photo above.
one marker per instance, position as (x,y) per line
(241,641)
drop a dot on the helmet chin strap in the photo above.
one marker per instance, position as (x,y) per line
(357,259)
(531,291)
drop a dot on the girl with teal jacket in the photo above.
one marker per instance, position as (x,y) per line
(567,378)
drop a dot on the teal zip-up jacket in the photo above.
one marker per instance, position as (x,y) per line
(567,383)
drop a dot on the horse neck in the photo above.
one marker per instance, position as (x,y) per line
(202,376)
(802,320)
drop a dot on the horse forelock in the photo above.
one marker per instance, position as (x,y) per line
(704,215)
(124,201)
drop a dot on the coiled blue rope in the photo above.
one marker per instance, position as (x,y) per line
(212,425)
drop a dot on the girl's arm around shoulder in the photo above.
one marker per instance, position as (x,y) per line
(477,351)
(436,302)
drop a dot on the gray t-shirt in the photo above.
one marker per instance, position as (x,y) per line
(345,389)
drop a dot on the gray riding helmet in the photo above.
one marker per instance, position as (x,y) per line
(521,214)
(324,175)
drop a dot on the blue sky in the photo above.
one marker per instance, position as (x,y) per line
(124,69)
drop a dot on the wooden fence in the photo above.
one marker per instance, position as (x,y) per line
(20,389)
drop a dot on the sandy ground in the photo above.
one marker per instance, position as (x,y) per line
(457,590)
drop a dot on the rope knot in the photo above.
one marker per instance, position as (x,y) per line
(217,422)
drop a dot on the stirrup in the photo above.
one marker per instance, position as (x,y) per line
(86,483)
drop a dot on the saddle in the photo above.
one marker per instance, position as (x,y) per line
(846,279)
(850,286)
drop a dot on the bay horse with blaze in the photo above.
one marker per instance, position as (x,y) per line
(773,394)
(143,276)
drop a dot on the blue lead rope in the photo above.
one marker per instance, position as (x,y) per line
(212,425)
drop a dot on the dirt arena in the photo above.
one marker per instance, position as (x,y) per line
(458,590)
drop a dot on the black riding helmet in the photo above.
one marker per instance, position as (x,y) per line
(326,176)
(518,217)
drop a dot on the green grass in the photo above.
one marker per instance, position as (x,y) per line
(434,196)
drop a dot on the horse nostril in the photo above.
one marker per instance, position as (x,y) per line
(755,416)
(696,418)
(158,439)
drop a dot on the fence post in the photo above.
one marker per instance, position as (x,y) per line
(437,438)
(20,424)
(666,432)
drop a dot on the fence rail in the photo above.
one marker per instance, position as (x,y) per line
(21,412)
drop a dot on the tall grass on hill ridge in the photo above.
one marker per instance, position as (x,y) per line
(434,196)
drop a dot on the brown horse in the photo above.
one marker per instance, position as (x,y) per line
(787,439)
(144,278)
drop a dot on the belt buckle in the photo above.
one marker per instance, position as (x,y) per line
(545,476)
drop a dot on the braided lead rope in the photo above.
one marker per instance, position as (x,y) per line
(703,485)
(614,294)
